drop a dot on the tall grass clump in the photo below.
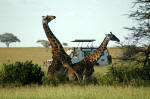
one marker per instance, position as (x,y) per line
(101,79)
(54,80)
(21,73)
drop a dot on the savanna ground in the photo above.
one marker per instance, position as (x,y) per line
(66,91)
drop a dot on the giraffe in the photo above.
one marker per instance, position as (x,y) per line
(85,67)
(61,61)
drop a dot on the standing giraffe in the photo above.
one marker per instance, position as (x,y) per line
(60,59)
(85,67)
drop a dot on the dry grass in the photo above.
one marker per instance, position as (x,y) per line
(115,52)
(36,54)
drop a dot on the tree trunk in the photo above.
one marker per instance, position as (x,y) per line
(7,44)
(147,53)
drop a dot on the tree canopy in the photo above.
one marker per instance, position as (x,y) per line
(65,44)
(140,33)
(8,38)
(44,43)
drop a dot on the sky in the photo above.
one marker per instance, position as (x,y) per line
(75,19)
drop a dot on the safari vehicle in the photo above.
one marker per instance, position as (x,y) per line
(78,53)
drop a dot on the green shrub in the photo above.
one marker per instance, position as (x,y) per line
(21,73)
(130,74)
(146,71)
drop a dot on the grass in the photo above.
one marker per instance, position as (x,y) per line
(75,92)
(36,54)
(68,91)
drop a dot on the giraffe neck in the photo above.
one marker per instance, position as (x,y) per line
(98,53)
(54,42)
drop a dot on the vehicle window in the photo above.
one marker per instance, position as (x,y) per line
(86,53)
(102,59)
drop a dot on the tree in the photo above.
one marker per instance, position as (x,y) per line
(44,43)
(65,44)
(142,16)
(8,38)
(141,32)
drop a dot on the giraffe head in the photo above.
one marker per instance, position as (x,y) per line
(112,37)
(48,18)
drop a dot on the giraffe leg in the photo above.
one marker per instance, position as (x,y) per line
(71,71)
(84,77)
(51,68)
(84,74)
(55,67)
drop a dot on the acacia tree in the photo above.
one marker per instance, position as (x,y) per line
(65,44)
(8,38)
(44,43)
(140,34)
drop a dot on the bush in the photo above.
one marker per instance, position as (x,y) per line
(133,73)
(129,51)
(146,70)
(129,74)
(101,79)
(21,73)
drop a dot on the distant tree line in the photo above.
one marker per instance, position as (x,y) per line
(8,38)
(46,43)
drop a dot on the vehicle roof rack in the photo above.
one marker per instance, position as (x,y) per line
(84,40)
